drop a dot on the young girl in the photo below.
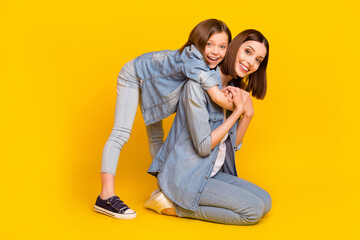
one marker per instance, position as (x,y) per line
(195,167)
(160,76)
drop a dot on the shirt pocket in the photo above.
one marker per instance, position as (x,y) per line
(215,118)
(215,121)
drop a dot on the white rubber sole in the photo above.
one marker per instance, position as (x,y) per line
(115,215)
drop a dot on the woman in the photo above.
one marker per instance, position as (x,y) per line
(196,165)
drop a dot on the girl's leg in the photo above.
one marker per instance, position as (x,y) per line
(125,110)
(155,134)
(226,203)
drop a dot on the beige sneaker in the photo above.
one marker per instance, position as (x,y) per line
(155,192)
(159,202)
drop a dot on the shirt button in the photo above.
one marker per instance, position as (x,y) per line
(206,177)
(231,132)
(213,162)
(234,147)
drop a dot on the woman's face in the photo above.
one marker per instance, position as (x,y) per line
(249,58)
(215,48)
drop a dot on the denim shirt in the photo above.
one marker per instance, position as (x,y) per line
(163,75)
(185,161)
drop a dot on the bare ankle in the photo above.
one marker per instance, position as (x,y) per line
(106,195)
(107,185)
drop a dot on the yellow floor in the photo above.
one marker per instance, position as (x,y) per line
(61,207)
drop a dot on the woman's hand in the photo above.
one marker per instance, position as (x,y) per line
(238,99)
(248,108)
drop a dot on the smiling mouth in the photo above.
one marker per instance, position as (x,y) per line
(212,59)
(243,68)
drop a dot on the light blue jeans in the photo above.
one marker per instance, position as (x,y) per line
(230,200)
(127,100)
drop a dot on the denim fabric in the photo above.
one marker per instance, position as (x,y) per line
(128,90)
(230,200)
(161,76)
(155,133)
(164,73)
(185,160)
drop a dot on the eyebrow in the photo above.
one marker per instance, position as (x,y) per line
(214,41)
(254,50)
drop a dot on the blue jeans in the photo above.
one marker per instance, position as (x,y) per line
(230,200)
(127,100)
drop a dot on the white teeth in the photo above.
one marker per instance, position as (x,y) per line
(214,59)
(243,67)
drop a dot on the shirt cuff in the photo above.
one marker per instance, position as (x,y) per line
(238,146)
(204,148)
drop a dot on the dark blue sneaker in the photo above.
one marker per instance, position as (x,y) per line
(114,207)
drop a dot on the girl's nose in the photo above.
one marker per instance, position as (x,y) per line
(215,50)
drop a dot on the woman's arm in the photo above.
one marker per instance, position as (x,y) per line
(245,121)
(197,117)
(218,133)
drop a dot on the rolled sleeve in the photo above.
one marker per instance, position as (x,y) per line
(197,117)
(237,148)
(208,80)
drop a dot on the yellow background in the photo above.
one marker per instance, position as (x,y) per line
(58,66)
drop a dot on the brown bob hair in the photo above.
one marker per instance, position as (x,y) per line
(203,31)
(255,82)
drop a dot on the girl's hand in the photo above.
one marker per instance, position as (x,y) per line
(227,94)
(245,94)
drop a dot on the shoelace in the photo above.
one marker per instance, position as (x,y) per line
(118,204)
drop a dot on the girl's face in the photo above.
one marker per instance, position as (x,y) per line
(215,48)
(249,58)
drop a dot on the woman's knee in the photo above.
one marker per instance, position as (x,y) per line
(267,202)
(251,213)
(266,198)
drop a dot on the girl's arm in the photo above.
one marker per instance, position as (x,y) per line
(245,121)
(196,69)
(220,98)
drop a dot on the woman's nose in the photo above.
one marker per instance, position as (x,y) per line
(251,62)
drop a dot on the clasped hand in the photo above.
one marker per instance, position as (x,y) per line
(241,99)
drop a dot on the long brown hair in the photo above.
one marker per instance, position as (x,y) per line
(201,33)
(255,82)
